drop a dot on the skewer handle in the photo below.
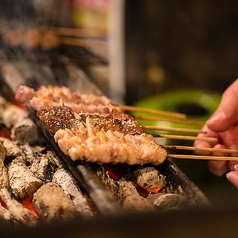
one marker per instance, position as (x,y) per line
(178,121)
(202,157)
(180,130)
(181,137)
(181,147)
(152,111)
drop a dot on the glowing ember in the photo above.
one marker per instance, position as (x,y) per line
(22,106)
(154,190)
(116,171)
(3,204)
(27,203)
(4,132)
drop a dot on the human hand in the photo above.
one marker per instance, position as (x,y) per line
(223,125)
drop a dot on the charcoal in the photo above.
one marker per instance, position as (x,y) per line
(6,214)
(52,204)
(149,178)
(4,181)
(17,210)
(136,203)
(23,182)
(168,201)
(37,152)
(13,115)
(42,162)
(71,188)
(3,103)
(43,169)
(12,148)
(25,131)
(3,151)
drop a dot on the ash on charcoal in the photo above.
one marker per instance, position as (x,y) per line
(157,193)
(3,151)
(12,148)
(126,193)
(132,201)
(37,152)
(17,210)
(22,181)
(6,214)
(168,201)
(4,180)
(43,168)
(16,119)
(25,131)
(24,169)
(66,181)
(42,162)
(12,115)
(149,178)
(52,204)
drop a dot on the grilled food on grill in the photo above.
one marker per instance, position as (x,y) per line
(91,127)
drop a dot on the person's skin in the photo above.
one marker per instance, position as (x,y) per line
(223,124)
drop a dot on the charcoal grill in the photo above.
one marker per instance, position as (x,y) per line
(86,173)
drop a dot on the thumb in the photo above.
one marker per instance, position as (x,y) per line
(226,114)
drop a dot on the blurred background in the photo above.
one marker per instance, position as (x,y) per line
(184,44)
(170,55)
(182,51)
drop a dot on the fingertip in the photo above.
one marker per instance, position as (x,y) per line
(232,177)
(218,168)
(201,144)
(235,167)
(218,122)
(214,119)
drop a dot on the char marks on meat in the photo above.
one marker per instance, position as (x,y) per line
(61,117)
(92,128)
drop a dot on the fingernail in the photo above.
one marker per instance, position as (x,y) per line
(215,117)
(233,178)
(235,167)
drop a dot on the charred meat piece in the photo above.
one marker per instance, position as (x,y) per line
(114,122)
(55,118)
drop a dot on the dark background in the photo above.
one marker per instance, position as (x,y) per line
(193,42)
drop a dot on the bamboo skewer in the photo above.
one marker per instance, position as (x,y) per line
(83,43)
(202,157)
(187,122)
(152,111)
(79,32)
(162,128)
(181,147)
(182,137)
